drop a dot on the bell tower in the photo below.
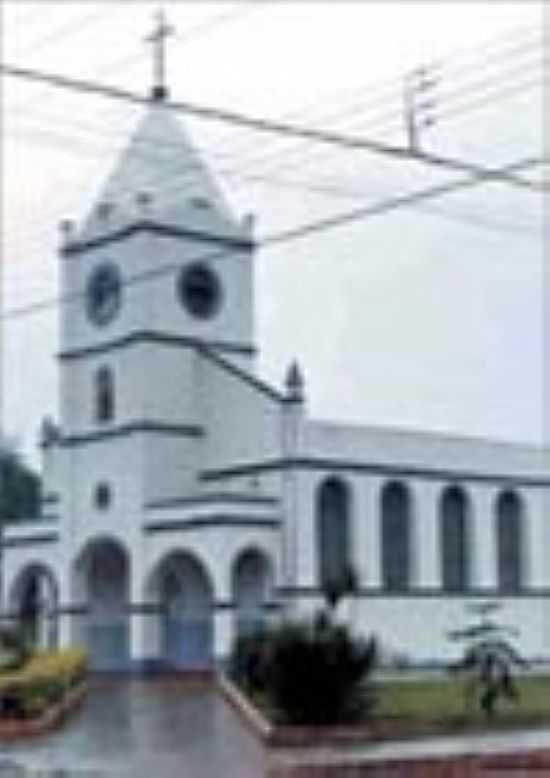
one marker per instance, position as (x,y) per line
(159,269)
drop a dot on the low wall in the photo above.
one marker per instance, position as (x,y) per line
(527,765)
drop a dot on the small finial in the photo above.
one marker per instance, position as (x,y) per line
(159,91)
(294,383)
(49,432)
(144,200)
(66,228)
(249,223)
(104,209)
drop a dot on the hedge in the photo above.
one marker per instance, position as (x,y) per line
(43,681)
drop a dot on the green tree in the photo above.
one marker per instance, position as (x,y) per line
(489,660)
(19,489)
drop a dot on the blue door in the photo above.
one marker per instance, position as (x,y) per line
(187,626)
(188,641)
(108,642)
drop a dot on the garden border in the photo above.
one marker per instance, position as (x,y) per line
(14,728)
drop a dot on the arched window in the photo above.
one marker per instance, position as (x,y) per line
(454,552)
(332,531)
(396,537)
(509,542)
(104,395)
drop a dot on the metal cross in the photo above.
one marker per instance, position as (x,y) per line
(158,38)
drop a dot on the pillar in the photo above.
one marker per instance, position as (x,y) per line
(482,541)
(367,556)
(426,567)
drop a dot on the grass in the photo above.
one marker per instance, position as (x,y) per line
(443,701)
(415,707)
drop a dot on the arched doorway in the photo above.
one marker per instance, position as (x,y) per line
(333,531)
(101,585)
(453,539)
(34,600)
(509,542)
(186,601)
(251,586)
(396,537)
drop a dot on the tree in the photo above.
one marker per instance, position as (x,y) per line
(19,488)
(489,660)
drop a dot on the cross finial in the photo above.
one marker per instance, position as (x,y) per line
(158,39)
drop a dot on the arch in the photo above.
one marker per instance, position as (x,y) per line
(104,395)
(509,537)
(182,586)
(251,586)
(333,530)
(101,586)
(453,539)
(34,599)
(396,536)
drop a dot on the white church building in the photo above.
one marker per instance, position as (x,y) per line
(184,499)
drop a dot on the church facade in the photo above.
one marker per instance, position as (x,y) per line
(185,500)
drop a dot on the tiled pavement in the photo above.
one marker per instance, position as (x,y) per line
(144,729)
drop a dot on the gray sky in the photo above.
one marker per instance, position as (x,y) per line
(428,317)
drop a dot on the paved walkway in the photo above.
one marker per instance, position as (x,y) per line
(143,729)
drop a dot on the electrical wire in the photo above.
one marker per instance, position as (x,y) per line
(284,236)
(265,125)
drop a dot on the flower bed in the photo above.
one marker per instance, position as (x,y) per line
(38,695)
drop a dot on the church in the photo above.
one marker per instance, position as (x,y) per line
(185,500)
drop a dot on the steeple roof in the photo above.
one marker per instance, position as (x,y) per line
(161,177)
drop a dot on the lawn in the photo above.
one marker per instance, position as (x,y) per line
(443,701)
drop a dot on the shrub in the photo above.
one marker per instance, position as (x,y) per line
(309,672)
(488,662)
(13,649)
(249,659)
(43,680)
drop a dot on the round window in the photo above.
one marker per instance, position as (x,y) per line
(199,290)
(103,294)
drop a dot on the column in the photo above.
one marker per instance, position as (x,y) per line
(536,537)
(144,620)
(223,615)
(482,540)
(306,534)
(426,562)
(367,532)
(66,632)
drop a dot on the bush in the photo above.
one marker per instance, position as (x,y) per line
(248,665)
(310,672)
(13,649)
(43,680)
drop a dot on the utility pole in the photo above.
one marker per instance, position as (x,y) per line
(418,105)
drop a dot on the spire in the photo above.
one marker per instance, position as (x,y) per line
(294,383)
(157,38)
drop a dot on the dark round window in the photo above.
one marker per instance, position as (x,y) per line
(103,294)
(102,496)
(199,290)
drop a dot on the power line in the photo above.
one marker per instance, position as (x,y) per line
(266,125)
(298,148)
(340,192)
(284,236)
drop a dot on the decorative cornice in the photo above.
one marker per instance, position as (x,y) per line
(373,468)
(212,522)
(30,540)
(167,230)
(157,338)
(178,430)
(50,498)
(206,499)
(492,593)
(229,367)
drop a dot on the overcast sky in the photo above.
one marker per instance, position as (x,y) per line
(425,317)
